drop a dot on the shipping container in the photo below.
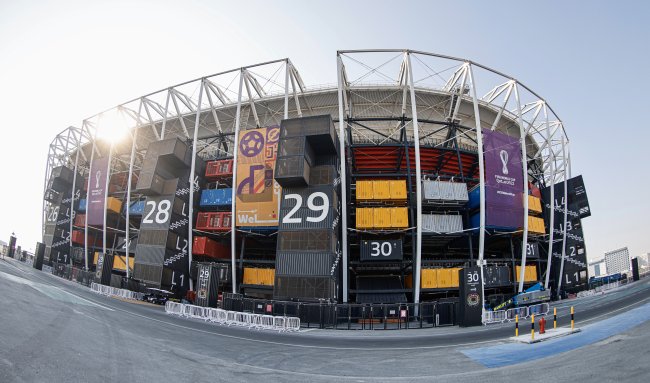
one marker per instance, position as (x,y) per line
(80,220)
(323,175)
(534,204)
(113,205)
(530,273)
(536,225)
(382,218)
(315,240)
(82,205)
(399,218)
(296,146)
(442,224)
(397,190)
(534,190)
(380,190)
(313,289)
(216,197)
(292,171)
(210,248)
(305,264)
(364,190)
(444,191)
(213,221)
(219,169)
(364,218)
(319,130)
(137,208)
(255,276)
(306,218)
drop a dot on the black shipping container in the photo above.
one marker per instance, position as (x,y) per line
(381,250)
(38,256)
(296,146)
(323,175)
(319,130)
(316,240)
(304,288)
(292,171)
(207,284)
(104,269)
(305,264)
(149,183)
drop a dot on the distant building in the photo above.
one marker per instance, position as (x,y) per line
(618,261)
(597,268)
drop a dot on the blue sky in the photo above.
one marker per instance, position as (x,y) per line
(63,61)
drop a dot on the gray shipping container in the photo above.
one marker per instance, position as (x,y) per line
(444,191)
(442,224)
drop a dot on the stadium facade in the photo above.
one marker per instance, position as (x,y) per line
(252,171)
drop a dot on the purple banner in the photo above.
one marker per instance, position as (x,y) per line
(96,192)
(504,185)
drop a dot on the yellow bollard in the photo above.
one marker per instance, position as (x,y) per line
(532,327)
(572,322)
(516,325)
(554,317)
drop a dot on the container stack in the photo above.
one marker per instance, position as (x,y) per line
(307,257)
(162,245)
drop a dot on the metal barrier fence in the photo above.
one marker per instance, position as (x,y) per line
(115,292)
(350,316)
(234,318)
(525,312)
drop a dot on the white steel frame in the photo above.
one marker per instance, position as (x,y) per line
(167,112)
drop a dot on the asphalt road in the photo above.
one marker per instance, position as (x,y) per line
(57,331)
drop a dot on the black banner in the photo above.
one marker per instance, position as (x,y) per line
(381,250)
(471,297)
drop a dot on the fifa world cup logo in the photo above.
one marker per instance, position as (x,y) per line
(504,159)
(99,174)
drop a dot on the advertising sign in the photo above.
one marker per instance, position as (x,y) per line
(96,201)
(257,192)
(471,297)
(503,180)
(381,250)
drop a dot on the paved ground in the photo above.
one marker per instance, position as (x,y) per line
(53,330)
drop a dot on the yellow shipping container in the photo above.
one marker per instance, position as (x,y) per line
(397,189)
(454,277)
(382,218)
(364,190)
(534,204)
(444,278)
(380,190)
(119,261)
(250,276)
(530,273)
(536,225)
(364,218)
(113,205)
(399,217)
(429,279)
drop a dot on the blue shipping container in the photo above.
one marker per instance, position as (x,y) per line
(474,198)
(475,223)
(216,197)
(82,204)
(137,208)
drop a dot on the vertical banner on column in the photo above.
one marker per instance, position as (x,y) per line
(574,276)
(504,183)
(257,192)
(96,201)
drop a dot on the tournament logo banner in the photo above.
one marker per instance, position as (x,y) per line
(257,192)
(503,180)
(96,192)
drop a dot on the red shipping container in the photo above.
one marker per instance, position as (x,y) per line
(534,190)
(209,248)
(218,169)
(80,220)
(78,238)
(213,221)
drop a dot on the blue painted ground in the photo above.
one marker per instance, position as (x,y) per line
(513,353)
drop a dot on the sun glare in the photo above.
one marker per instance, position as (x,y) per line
(112,126)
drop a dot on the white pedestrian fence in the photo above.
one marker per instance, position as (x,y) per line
(599,289)
(115,292)
(233,318)
(509,315)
